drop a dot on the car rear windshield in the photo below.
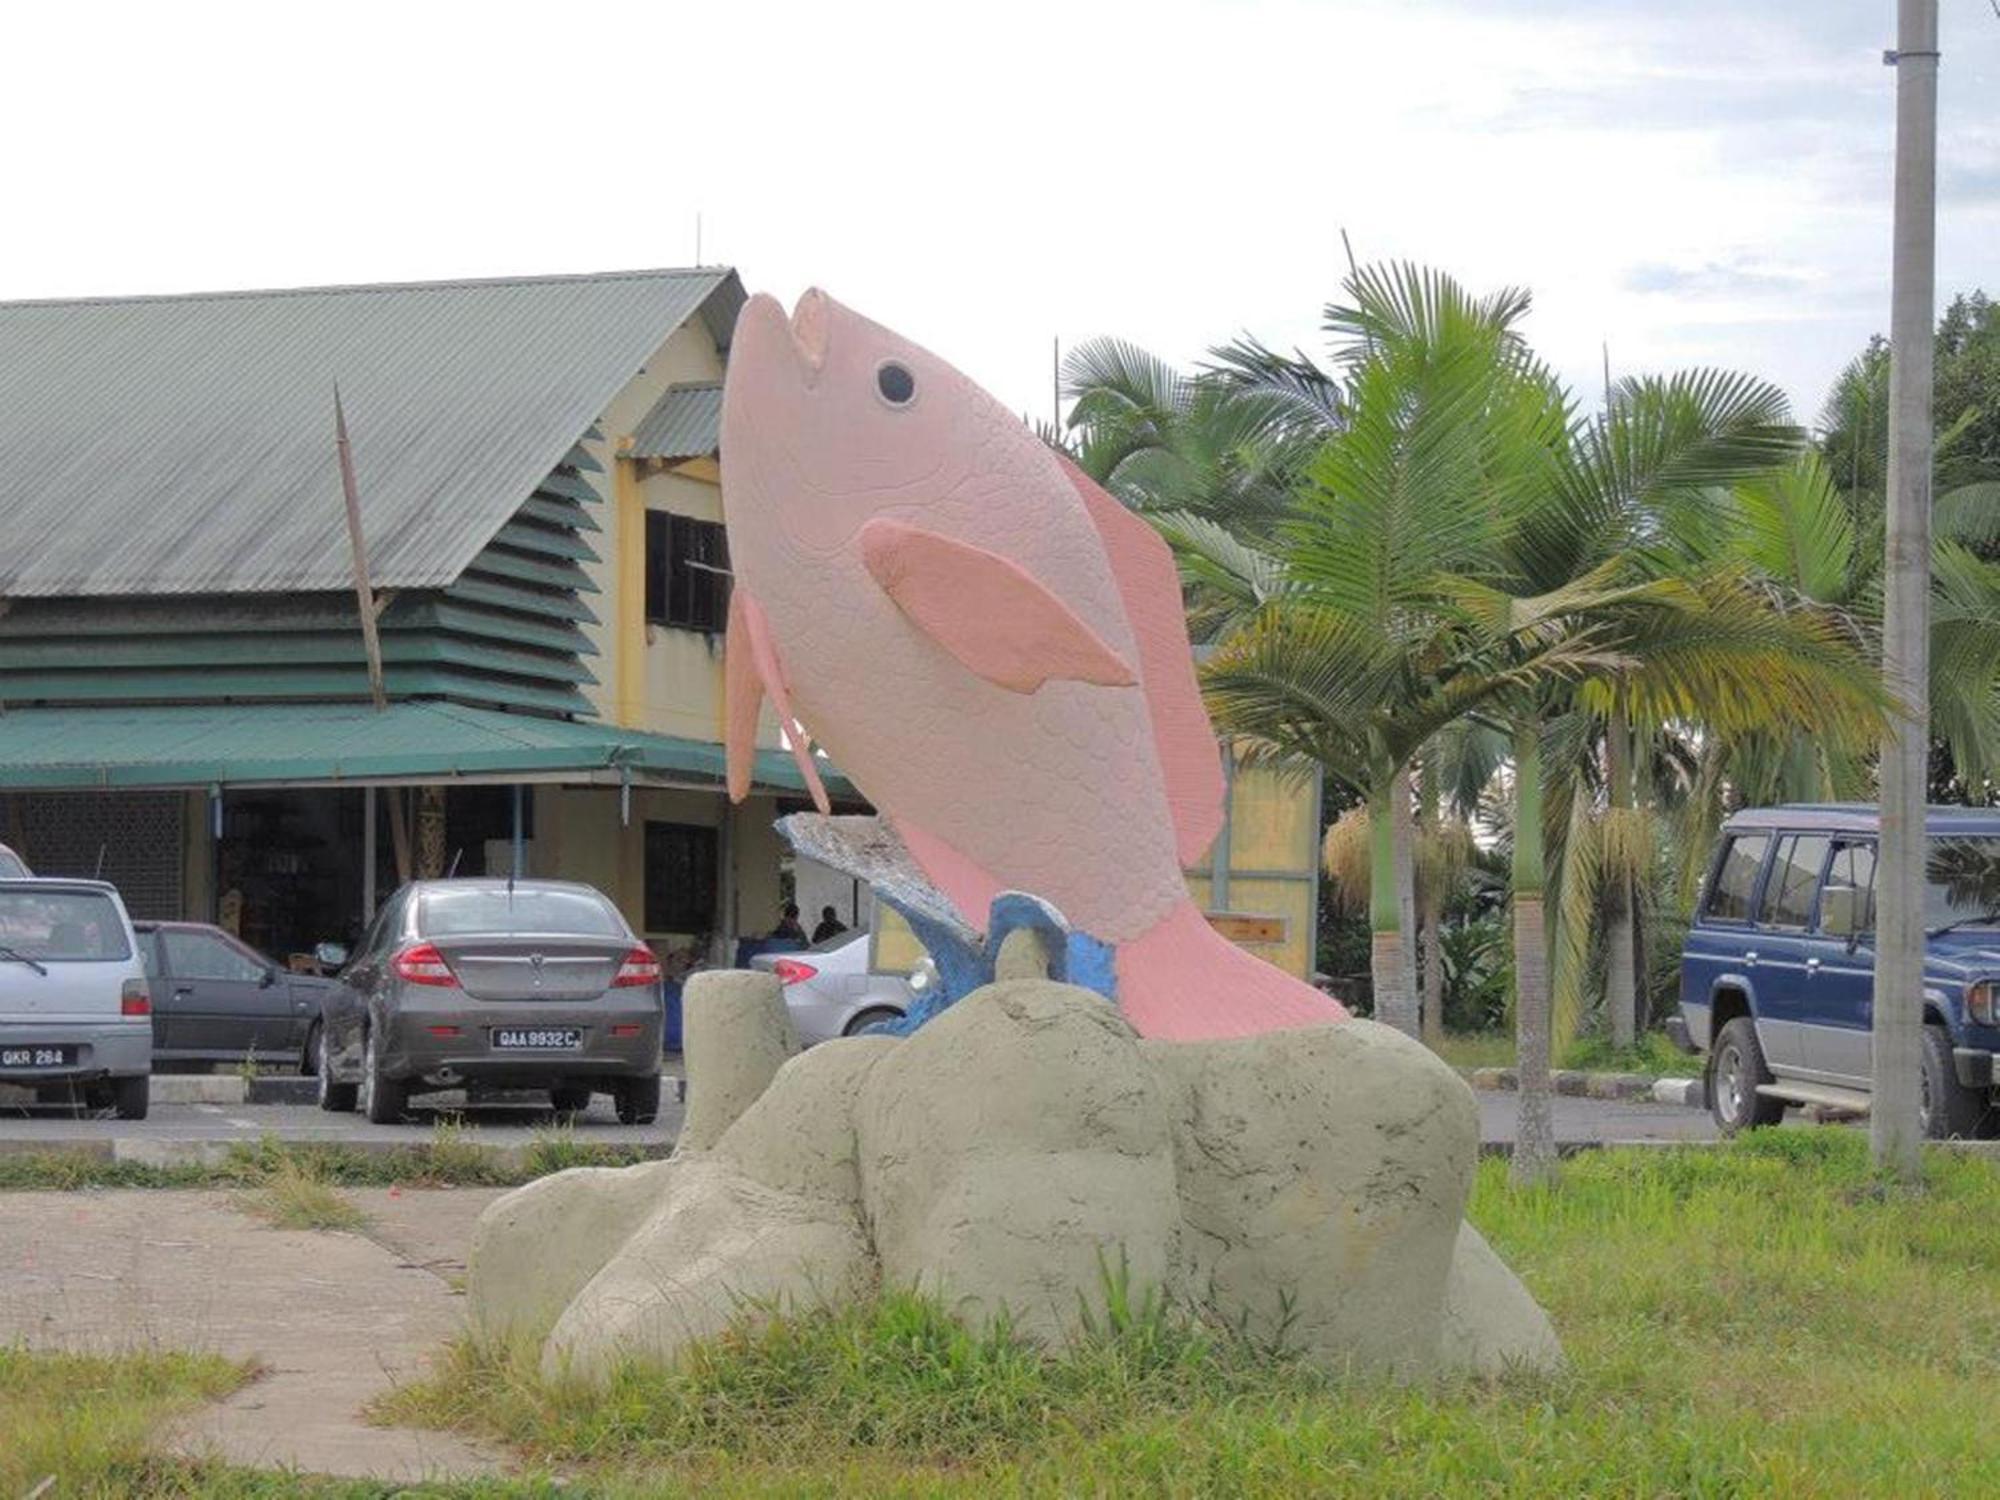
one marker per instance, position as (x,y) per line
(11,867)
(1962,881)
(447,913)
(62,926)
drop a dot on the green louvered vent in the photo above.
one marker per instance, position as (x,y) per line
(508,633)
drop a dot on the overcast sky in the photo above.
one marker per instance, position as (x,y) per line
(1693,181)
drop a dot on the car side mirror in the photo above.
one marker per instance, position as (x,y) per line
(268,978)
(331,955)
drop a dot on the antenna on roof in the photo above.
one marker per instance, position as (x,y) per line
(98,873)
(456,855)
(697,237)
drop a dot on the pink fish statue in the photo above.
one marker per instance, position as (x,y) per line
(989,646)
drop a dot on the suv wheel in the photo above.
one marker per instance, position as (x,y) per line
(334,1098)
(382,1097)
(130,1097)
(638,1100)
(1947,1110)
(1735,1068)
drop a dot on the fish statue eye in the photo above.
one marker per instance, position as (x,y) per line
(895,382)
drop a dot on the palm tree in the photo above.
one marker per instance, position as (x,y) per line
(1333,652)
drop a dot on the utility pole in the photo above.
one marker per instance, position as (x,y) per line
(1899,949)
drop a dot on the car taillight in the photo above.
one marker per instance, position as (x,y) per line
(135,999)
(793,971)
(1982,1003)
(640,967)
(423,964)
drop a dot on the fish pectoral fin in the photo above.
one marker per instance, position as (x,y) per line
(751,668)
(987,611)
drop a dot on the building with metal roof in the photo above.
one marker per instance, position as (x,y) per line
(684,423)
(540,512)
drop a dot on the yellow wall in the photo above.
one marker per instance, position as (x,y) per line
(1273,852)
(578,836)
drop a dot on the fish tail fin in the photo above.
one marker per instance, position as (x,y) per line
(1182,981)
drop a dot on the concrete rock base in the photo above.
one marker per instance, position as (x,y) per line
(1307,1187)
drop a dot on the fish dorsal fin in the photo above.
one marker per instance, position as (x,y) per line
(1150,585)
(987,610)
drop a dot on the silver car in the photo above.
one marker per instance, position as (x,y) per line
(494,984)
(831,991)
(75,1008)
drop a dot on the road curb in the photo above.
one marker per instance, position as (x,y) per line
(1580,1085)
(199,1088)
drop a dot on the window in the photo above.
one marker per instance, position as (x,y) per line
(61,926)
(198,955)
(1788,896)
(449,911)
(1847,905)
(1962,881)
(687,572)
(680,877)
(1736,878)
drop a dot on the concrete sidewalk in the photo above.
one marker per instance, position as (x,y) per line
(334,1319)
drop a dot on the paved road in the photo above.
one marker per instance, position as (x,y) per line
(1577,1120)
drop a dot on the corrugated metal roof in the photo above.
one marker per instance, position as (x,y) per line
(686,422)
(185,745)
(185,444)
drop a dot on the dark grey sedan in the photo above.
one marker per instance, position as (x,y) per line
(218,1000)
(494,984)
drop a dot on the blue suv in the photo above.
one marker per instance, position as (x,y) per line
(1778,975)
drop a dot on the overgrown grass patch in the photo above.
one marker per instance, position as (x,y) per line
(87,1420)
(1764,1318)
(293,1196)
(448,1157)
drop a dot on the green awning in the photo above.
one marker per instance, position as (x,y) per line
(197,745)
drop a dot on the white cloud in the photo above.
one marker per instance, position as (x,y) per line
(987,179)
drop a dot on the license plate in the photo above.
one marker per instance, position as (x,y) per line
(37,1057)
(537,1038)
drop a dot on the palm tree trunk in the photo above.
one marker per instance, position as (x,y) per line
(1431,900)
(1388,969)
(1405,830)
(1534,1135)
(1621,979)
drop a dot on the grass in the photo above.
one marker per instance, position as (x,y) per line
(1652,1055)
(448,1157)
(293,1196)
(86,1419)
(1765,1318)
